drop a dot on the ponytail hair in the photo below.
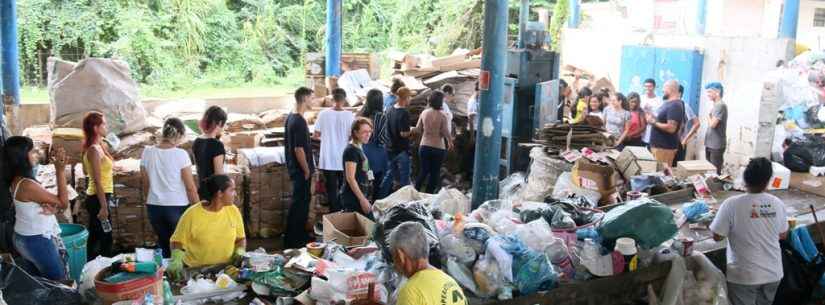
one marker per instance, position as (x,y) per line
(214,185)
(90,122)
(173,130)
(213,117)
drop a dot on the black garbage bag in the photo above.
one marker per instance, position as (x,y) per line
(800,277)
(798,158)
(395,216)
(20,288)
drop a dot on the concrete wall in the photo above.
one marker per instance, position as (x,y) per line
(740,63)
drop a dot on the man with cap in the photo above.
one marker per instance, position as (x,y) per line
(716,136)
(397,125)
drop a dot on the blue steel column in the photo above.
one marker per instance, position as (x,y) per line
(333,58)
(790,19)
(9,60)
(523,16)
(494,62)
(575,14)
(701,16)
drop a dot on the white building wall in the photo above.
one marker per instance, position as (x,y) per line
(807,34)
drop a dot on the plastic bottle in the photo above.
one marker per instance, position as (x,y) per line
(159,257)
(168,298)
(148,299)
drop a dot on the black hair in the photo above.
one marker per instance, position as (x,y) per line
(396,84)
(173,129)
(787,142)
(448,89)
(681,89)
(758,174)
(562,84)
(16,157)
(302,92)
(436,100)
(339,95)
(622,101)
(600,97)
(638,98)
(650,81)
(374,103)
(213,117)
(585,92)
(477,86)
(213,185)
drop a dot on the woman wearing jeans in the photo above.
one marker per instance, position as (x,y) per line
(36,232)
(168,185)
(97,164)
(433,126)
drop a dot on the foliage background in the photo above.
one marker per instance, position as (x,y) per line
(175,44)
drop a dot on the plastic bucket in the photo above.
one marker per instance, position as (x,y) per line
(74,238)
(111,293)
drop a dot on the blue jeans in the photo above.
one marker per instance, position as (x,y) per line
(164,220)
(43,253)
(430,169)
(399,170)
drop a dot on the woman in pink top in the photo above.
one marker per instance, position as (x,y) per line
(635,128)
(433,127)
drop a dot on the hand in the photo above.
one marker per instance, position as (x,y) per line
(684,143)
(307,175)
(58,157)
(450,146)
(175,267)
(48,209)
(104,212)
(365,205)
(650,119)
(237,256)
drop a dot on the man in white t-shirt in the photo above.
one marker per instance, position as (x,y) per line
(650,104)
(332,128)
(472,111)
(449,97)
(753,223)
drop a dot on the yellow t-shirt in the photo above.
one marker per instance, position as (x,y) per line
(208,237)
(431,287)
(106,175)
(581,109)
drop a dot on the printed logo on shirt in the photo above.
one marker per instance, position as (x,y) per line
(762,211)
(451,295)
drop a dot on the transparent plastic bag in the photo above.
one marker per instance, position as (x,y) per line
(510,188)
(503,221)
(536,235)
(455,247)
(462,275)
(450,201)
(565,188)
(487,277)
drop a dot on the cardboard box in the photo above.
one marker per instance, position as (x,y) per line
(71,140)
(243,140)
(594,176)
(686,169)
(348,229)
(636,160)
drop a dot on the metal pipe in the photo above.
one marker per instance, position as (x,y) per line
(701,16)
(523,16)
(9,61)
(575,14)
(333,58)
(790,19)
(491,85)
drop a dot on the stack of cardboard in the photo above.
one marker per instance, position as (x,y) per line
(425,65)
(246,139)
(130,224)
(636,160)
(576,136)
(71,140)
(267,191)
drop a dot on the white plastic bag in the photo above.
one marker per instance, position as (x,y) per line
(502,221)
(90,271)
(451,201)
(536,235)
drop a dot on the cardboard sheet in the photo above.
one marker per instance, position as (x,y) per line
(807,183)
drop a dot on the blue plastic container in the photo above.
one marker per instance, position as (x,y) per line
(74,237)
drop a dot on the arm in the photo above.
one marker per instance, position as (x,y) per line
(353,185)
(144,176)
(34,192)
(240,243)
(302,161)
(445,132)
(94,157)
(692,132)
(419,126)
(625,133)
(217,162)
(189,183)
(316,135)
(718,237)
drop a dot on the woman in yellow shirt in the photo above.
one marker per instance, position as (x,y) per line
(210,232)
(97,164)
(579,109)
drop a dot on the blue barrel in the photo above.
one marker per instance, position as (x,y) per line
(74,237)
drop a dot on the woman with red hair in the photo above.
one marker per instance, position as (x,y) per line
(97,164)
(208,149)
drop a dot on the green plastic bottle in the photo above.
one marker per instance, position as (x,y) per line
(168,298)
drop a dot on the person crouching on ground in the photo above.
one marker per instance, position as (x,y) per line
(210,232)
(426,285)
(357,174)
(36,232)
(753,223)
